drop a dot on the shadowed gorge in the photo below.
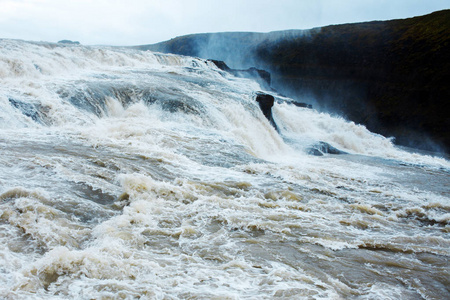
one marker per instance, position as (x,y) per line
(391,76)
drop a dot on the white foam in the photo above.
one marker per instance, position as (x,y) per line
(204,199)
(309,126)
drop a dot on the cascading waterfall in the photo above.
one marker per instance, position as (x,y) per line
(129,174)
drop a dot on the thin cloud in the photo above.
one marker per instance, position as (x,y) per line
(130,22)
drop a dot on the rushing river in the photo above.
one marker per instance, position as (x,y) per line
(137,175)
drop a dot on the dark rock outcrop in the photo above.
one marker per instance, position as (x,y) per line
(69,42)
(266,102)
(261,76)
(220,64)
(322,148)
(301,104)
(257,73)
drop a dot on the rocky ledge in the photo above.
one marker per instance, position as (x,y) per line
(261,76)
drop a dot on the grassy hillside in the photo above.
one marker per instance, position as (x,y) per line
(392,76)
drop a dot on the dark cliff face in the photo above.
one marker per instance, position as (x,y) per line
(392,76)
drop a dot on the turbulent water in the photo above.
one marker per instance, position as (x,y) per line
(138,175)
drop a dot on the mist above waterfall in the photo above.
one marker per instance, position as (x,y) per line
(365,72)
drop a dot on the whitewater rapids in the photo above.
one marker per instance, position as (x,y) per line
(136,175)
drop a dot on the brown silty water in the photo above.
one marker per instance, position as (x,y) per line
(159,178)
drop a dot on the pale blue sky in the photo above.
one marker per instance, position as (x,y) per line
(132,22)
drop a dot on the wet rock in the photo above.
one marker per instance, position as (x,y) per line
(266,102)
(261,76)
(256,73)
(321,148)
(69,42)
(36,112)
(301,104)
(220,64)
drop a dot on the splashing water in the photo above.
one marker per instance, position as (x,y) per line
(128,174)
